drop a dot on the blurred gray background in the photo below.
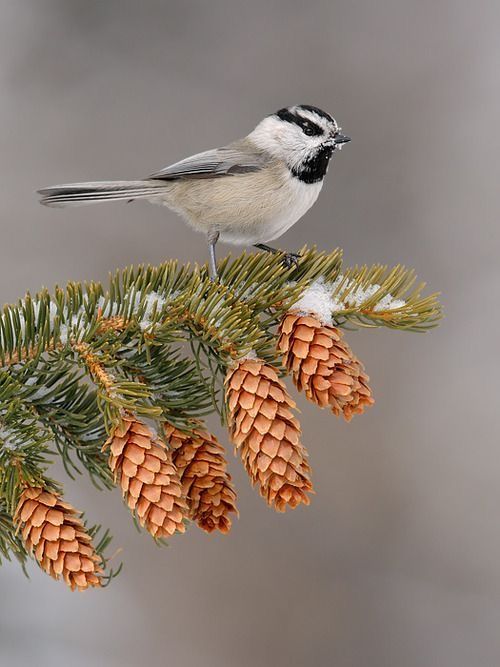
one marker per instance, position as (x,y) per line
(396,563)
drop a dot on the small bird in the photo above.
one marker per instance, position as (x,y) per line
(249,192)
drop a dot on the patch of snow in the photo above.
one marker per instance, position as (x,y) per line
(317,299)
(249,355)
(108,307)
(53,311)
(153,303)
(9,440)
(63,334)
(72,325)
(324,299)
(358,296)
(136,301)
(388,302)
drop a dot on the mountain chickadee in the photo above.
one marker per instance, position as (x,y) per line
(248,192)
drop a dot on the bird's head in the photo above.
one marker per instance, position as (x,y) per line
(303,136)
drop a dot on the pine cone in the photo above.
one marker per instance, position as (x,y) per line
(267,434)
(148,478)
(199,458)
(53,531)
(323,365)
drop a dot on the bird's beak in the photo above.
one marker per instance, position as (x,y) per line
(340,139)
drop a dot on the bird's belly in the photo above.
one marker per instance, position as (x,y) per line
(246,210)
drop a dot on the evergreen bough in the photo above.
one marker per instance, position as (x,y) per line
(156,346)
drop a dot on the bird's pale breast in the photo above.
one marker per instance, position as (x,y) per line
(249,208)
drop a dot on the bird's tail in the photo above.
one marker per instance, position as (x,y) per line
(78,194)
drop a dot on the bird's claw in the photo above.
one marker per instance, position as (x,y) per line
(291,259)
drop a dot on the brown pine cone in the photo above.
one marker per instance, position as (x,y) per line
(267,435)
(323,365)
(199,458)
(54,533)
(148,478)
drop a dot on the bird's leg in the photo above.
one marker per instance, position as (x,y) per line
(212,238)
(289,258)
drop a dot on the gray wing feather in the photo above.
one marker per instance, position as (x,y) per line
(214,163)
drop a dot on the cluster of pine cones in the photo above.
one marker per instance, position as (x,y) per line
(183,476)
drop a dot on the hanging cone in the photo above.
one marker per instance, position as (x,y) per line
(199,458)
(148,478)
(53,532)
(267,435)
(323,365)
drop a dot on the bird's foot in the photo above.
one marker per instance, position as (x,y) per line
(291,259)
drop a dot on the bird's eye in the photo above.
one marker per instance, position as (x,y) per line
(310,129)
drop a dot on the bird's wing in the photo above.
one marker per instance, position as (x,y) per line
(214,163)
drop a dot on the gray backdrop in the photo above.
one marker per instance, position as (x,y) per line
(396,561)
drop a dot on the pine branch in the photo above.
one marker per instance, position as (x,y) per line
(67,407)
(84,371)
(379,296)
(23,445)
